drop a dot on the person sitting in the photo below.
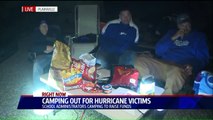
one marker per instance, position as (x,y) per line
(180,53)
(43,47)
(116,41)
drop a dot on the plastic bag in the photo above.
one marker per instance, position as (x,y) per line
(90,73)
(55,78)
(61,60)
(61,56)
(125,76)
(72,77)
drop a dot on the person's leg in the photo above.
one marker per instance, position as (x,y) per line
(101,58)
(175,79)
(127,58)
(107,60)
(150,66)
(173,76)
(40,63)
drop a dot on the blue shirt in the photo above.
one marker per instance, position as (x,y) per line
(118,37)
(192,49)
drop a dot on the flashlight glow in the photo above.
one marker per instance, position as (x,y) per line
(147,85)
(146,89)
(42,112)
(38,93)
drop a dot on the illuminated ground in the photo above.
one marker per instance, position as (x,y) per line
(16,79)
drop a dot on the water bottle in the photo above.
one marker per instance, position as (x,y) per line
(206,83)
(197,83)
(199,77)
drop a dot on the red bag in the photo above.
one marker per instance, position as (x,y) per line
(125,76)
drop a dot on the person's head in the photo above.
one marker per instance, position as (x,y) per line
(125,16)
(43,27)
(184,23)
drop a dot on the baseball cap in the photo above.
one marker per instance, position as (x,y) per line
(183,18)
(43,22)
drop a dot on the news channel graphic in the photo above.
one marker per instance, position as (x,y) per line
(60,100)
(39,9)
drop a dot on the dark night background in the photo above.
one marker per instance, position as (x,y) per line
(16,27)
(145,13)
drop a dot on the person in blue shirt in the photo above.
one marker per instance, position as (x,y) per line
(180,53)
(184,46)
(116,41)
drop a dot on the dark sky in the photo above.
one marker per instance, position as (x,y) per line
(143,11)
(150,11)
(153,10)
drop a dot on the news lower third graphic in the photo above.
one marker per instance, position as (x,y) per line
(60,100)
(39,9)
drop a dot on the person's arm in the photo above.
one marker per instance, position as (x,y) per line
(38,47)
(201,50)
(109,37)
(164,44)
(132,24)
(38,43)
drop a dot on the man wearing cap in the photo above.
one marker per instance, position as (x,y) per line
(116,41)
(180,53)
(43,47)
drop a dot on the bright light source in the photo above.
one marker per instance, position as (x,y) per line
(42,112)
(147,85)
(146,89)
(160,110)
(38,93)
